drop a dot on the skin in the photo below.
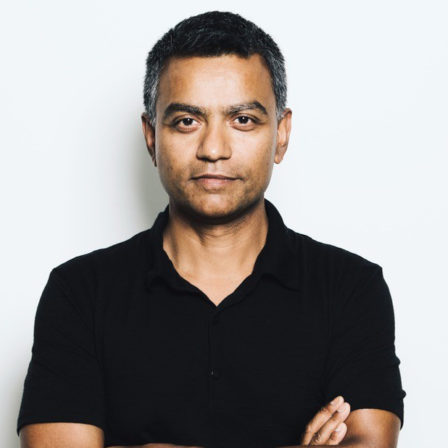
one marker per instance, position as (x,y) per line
(216,231)
(358,429)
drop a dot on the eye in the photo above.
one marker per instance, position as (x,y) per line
(245,119)
(187,121)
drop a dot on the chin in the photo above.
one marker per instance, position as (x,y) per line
(207,208)
(217,207)
(220,209)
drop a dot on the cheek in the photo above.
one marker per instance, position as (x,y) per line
(170,169)
(167,149)
(172,159)
(257,156)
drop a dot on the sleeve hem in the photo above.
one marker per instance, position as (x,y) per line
(390,406)
(61,419)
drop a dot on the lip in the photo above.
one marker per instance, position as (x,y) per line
(214,176)
(214,183)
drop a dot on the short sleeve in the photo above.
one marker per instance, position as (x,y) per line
(63,382)
(362,365)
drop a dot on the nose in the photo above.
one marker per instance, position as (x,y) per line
(214,144)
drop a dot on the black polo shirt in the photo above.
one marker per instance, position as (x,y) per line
(123,342)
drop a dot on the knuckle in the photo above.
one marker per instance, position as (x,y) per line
(338,416)
(336,434)
(337,420)
(317,437)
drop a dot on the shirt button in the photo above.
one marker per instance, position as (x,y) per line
(215,373)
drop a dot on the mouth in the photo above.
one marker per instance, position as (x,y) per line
(214,176)
(214,181)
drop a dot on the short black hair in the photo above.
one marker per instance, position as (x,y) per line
(214,33)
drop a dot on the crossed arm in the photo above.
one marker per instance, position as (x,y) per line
(362,428)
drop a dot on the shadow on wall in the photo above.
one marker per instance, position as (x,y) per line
(151,199)
(148,188)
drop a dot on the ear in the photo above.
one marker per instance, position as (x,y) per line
(283,132)
(149,134)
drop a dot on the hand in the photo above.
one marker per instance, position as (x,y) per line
(321,430)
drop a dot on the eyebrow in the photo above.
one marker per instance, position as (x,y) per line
(196,110)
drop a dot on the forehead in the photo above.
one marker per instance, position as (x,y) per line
(216,81)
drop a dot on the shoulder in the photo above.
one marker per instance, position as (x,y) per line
(89,268)
(322,252)
(78,286)
(332,264)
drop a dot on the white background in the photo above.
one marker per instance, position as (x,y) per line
(365,170)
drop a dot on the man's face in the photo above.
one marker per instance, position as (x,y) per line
(216,115)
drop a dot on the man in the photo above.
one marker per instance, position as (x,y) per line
(219,326)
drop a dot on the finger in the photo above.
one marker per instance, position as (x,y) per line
(324,414)
(338,434)
(323,435)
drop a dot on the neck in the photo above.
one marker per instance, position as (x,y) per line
(215,249)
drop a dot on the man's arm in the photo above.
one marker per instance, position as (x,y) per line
(63,397)
(372,427)
(362,364)
(366,428)
(68,435)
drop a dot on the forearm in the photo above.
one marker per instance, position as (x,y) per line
(346,444)
(342,445)
(167,445)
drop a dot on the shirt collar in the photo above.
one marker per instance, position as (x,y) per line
(279,256)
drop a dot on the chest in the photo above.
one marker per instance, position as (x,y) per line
(180,370)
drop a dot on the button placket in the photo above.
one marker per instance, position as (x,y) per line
(214,371)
